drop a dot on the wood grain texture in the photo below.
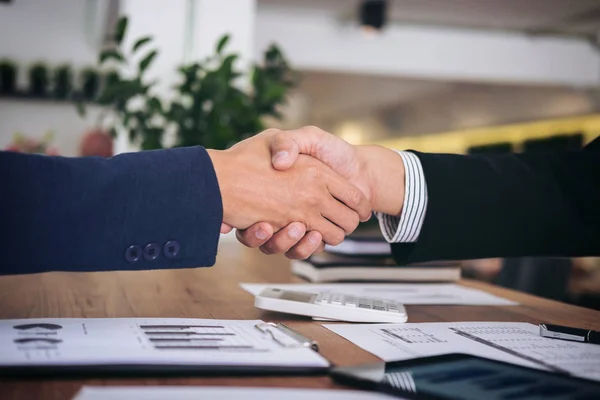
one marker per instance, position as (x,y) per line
(215,293)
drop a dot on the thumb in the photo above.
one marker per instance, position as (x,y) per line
(284,150)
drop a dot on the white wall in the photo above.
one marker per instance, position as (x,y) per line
(54,32)
(315,39)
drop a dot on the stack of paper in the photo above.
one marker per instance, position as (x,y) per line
(220,393)
(149,344)
(405,293)
(513,342)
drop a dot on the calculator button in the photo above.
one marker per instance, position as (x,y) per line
(393,308)
(365,303)
(351,301)
(322,298)
(337,299)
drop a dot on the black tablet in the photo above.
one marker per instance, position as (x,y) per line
(465,377)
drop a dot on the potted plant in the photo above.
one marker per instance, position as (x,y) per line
(63,82)
(8,77)
(24,144)
(38,80)
(90,84)
(208,108)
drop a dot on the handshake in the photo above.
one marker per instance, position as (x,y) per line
(293,191)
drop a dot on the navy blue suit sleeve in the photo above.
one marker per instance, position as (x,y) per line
(148,210)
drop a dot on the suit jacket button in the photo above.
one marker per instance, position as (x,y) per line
(133,253)
(151,251)
(171,249)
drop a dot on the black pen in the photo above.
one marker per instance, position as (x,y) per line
(568,333)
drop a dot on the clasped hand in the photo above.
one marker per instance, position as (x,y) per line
(306,197)
(284,202)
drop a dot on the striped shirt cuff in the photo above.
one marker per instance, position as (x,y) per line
(407,227)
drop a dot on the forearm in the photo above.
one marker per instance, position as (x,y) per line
(386,176)
(514,205)
(91,214)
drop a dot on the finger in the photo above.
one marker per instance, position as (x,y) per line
(340,215)
(311,243)
(225,228)
(256,235)
(350,195)
(286,145)
(332,234)
(283,240)
(284,150)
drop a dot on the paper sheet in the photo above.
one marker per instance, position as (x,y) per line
(405,293)
(147,341)
(220,393)
(517,343)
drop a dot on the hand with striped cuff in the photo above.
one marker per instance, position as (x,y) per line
(392,181)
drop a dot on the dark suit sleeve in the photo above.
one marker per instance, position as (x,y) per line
(137,211)
(509,206)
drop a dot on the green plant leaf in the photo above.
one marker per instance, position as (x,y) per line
(140,42)
(110,54)
(146,61)
(154,105)
(121,29)
(222,43)
(80,109)
(274,93)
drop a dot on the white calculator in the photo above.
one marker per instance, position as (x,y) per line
(331,306)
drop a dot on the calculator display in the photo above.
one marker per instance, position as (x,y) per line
(296,296)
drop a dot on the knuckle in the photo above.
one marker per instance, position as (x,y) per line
(298,253)
(354,220)
(313,200)
(313,172)
(272,131)
(313,128)
(355,197)
(336,237)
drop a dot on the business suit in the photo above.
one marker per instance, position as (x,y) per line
(146,210)
(509,206)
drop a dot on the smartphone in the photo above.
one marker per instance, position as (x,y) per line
(465,377)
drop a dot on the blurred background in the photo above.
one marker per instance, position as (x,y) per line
(101,77)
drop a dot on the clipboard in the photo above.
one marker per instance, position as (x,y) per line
(105,347)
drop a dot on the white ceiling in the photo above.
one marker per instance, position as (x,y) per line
(567,16)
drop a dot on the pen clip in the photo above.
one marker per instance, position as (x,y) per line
(298,340)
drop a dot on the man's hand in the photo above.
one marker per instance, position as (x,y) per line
(309,193)
(378,172)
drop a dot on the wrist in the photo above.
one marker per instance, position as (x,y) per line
(384,170)
(220,165)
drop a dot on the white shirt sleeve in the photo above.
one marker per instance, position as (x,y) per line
(407,227)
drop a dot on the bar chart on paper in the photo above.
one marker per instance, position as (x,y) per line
(196,337)
(197,343)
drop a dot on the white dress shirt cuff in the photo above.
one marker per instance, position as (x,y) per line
(407,227)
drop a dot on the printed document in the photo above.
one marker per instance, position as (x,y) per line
(221,393)
(149,341)
(405,293)
(514,342)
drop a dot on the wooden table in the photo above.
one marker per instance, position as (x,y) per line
(215,293)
